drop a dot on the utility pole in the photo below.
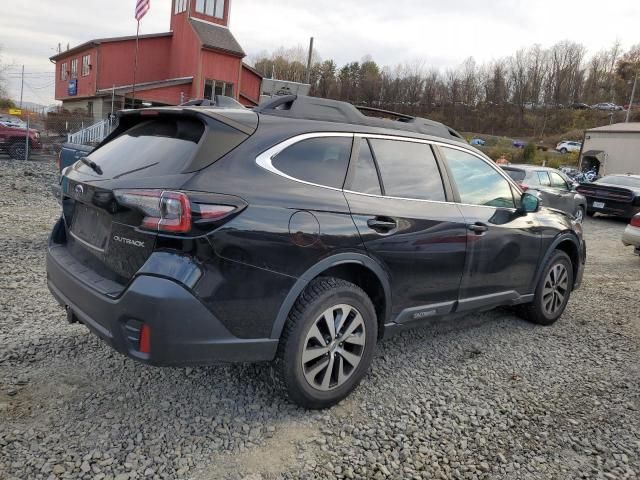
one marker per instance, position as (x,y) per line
(633,92)
(309,60)
(113,98)
(21,86)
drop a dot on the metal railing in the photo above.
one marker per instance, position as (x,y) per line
(92,134)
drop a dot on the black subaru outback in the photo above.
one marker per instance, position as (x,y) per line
(302,232)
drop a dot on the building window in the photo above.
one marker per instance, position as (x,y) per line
(213,8)
(181,6)
(86,65)
(216,87)
(64,71)
(74,68)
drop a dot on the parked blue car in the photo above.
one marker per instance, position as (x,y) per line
(478,142)
(518,143)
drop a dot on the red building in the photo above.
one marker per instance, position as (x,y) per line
(199,57)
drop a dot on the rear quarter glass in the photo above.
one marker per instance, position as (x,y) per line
(164,145)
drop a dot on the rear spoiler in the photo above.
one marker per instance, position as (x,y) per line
(244,121)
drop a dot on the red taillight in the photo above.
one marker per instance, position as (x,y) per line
(524,187)
(144,343)
(208,212)
(168,211)
(635,221)
(164,211)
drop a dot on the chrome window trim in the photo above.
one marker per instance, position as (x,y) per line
(264,160)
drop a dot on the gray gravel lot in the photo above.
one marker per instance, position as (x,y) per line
(487,396)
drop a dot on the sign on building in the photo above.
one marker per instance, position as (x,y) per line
(72,88)
(273,87)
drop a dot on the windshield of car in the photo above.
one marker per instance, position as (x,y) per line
(619,180)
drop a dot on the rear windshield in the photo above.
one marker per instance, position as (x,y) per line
(155,147)
(622,181)
(517,175)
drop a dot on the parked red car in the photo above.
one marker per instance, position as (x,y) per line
(13,139)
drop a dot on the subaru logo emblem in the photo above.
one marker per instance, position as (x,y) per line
(79,190)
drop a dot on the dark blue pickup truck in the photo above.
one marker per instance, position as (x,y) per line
(69,154)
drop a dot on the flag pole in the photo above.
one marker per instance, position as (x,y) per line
(135,68)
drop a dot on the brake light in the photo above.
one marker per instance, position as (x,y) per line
(164,210)
(207,212)
(635,221)
(169,211)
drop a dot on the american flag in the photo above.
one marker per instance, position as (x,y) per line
(142,7)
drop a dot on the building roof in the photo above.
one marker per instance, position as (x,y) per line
(98,41)
(146,85)
(216,37)
(631,127)
(252,70)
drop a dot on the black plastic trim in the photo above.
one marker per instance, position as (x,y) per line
(317,269)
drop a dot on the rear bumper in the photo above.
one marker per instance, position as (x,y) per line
(183,330)
(631,236)
(620,209)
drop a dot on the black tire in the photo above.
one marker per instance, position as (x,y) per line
(17,151)
(563,150)
(580,213)
(322,294)
(535,311)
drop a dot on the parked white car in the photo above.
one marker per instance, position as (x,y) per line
(631,235)
(606,106)
(568,146)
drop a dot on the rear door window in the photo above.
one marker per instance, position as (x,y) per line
(557,181)
(365,174)
(408,169)
(543,178)
(322,160)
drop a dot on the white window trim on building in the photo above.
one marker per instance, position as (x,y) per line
(64,71)
(227,88)
(86,65)
(181,6)
(74,68)
(212,8)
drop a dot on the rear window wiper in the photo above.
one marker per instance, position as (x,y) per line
(91,164)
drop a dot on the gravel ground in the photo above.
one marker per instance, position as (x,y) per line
(487,396)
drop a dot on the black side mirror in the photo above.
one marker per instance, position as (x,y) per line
(529,203)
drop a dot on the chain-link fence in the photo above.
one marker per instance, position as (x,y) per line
(33,136)
(39,135)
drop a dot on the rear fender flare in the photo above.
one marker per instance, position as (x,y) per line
(317,269)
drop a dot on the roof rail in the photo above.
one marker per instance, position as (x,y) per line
(322,109)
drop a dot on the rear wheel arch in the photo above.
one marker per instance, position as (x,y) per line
(355,268)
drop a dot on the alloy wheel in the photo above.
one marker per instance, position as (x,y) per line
(556,287)
(333,347)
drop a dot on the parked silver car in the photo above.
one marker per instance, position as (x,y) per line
(631,235)
(555,189)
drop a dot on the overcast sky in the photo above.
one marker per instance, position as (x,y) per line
(441,33)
